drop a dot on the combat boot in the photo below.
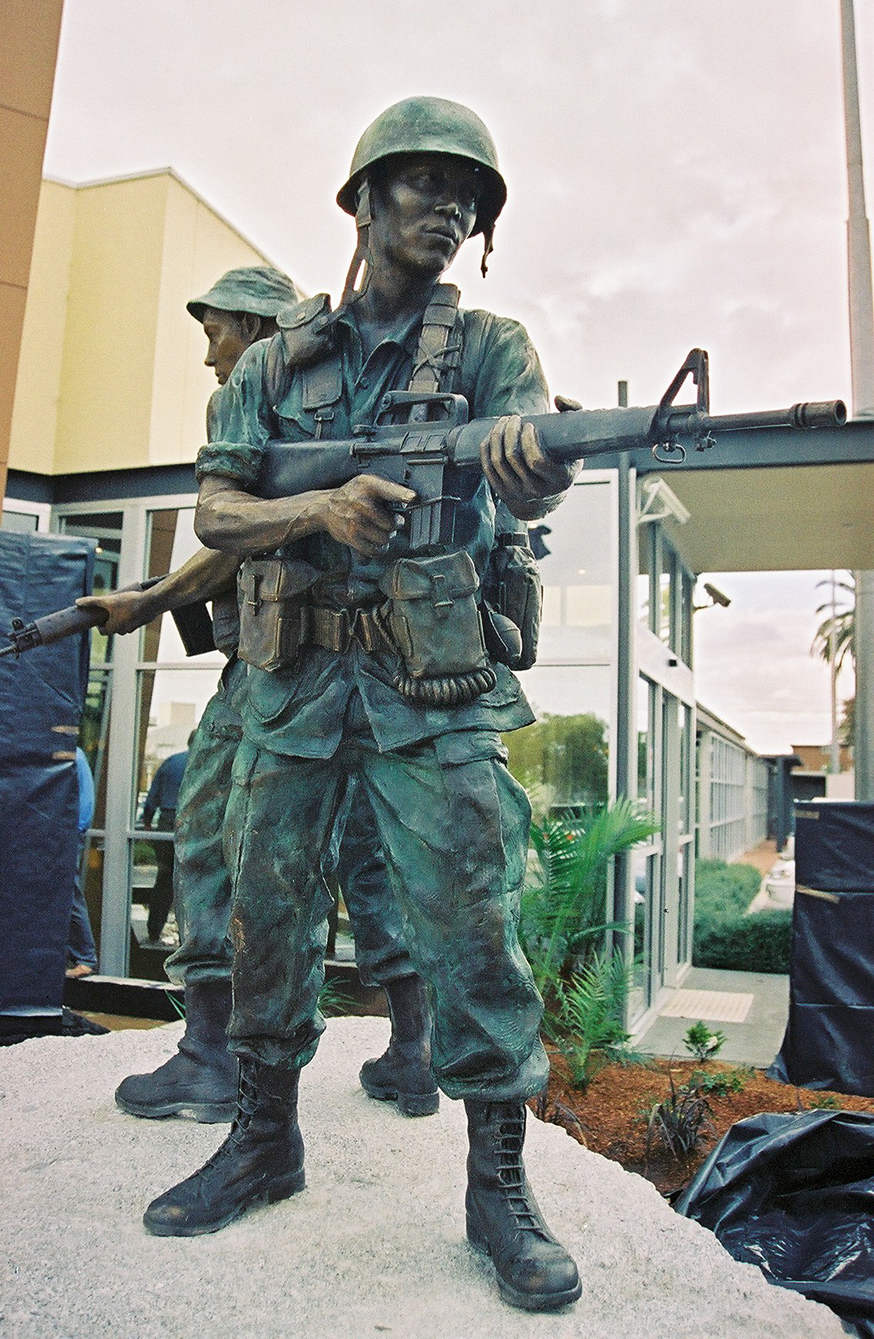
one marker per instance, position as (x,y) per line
(260,1162)
(402,1073)
(201,1078)
(533,1270)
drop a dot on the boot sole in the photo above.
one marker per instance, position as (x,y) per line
(409,1104)
(281,1189)
(524,1301)
(207,1113)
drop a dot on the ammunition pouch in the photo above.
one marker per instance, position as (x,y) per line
(513,590)
(274,612)
(435,625)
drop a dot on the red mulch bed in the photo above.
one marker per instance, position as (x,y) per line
(606,1118)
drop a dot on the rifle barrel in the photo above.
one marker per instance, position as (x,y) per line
(813,414)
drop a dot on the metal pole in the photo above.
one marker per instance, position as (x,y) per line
(862,364)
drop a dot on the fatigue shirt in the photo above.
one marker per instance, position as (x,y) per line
(300,711)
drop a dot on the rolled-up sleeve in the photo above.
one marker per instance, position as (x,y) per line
(239,422)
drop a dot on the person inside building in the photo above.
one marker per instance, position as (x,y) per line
(352,698)
(81,950)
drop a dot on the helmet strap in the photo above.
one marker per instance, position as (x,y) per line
(488,248)
(360,266)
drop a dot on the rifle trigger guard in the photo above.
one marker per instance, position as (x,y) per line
(672,453)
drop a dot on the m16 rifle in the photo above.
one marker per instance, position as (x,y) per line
(417,451)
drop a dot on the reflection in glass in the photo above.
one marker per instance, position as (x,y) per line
(171,703)
(18,522)
(575,556)
(646,535)
(94,737)
(666,599)
(171,543)
(105,527)
(562,760)
(645,786)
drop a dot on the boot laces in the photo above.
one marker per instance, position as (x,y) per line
(247,1100)
(511,1175)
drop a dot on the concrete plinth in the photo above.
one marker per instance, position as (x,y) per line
(374,1246)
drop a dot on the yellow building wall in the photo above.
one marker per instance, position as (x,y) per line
(38,389)
(111,372)
(199,247)
(28,52)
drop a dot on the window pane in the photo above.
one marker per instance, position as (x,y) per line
(171,543)
(645,541)
(18,522)
(105,527)
(575,553)
(94,737)
(562,760)
(171,703)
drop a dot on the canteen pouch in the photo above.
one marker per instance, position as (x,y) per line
(435,625)
(513,589)
(274,610)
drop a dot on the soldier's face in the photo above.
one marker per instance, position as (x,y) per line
(227,341)
(423,209)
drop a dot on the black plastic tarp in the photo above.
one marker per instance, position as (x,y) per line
(41,698)
(828,1042)
(794,1194)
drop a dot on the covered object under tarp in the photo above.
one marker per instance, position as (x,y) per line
(828,1041)
(41,699)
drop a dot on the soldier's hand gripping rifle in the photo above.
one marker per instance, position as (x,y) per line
(417,451)
(63,623)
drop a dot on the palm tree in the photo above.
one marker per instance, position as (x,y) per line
(836,636)
(840,618)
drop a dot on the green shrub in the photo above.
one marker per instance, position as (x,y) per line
(702,1043)
(721,889)
(758,943)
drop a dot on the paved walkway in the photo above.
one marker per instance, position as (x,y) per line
(756,1036)
(755,1041)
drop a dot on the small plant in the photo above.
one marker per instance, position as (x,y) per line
(702,1043)
(678,1122)
(825,1102)
(721,1082)
(333,1000)
(586,1022)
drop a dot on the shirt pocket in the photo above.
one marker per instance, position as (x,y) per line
(270,693)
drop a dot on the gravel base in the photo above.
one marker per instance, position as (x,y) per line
(375,1244)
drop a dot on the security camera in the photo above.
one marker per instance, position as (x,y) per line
(717,596)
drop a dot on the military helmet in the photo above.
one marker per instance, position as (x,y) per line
(430,125)
(258,289)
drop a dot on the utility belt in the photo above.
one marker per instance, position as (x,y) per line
(431,618)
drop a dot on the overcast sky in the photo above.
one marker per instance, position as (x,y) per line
(676,178)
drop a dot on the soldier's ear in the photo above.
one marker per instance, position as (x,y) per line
(250,326)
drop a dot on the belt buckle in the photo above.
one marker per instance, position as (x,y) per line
(362,629)
(343,629)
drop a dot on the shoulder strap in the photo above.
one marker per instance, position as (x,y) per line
(439,352)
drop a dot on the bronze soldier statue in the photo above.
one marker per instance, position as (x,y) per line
(366,658)
(201,1078)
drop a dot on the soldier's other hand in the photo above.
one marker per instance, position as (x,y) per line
(519,470)
(366,512)
(564,404)
(124,608)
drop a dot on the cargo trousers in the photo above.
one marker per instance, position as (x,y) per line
(454,828)
(202,886)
